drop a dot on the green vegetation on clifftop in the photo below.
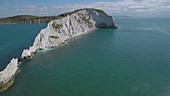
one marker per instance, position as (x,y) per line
(29,19)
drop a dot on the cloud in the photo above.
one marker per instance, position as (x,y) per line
(124,7)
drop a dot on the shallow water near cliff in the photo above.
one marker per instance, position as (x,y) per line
(133,60)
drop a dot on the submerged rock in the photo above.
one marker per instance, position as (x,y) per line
(7,76)
(67,26)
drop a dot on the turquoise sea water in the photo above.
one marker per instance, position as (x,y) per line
(133,60)
(15,38)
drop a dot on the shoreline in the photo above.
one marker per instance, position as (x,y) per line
(21,61)
(55,34)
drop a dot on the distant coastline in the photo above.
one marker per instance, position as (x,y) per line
(26,19)
(30,19)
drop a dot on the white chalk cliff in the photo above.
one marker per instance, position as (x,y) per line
(64,27)
(70,25)
(9,72)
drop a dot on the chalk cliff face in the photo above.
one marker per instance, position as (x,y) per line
(8,74)
(75,23)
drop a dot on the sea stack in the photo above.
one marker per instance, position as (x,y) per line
(7,76)
(69,25)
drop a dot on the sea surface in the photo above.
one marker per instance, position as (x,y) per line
(133,60)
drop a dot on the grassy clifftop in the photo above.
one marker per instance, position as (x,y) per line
(29,19)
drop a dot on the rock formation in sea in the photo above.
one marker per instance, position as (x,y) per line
(7,76)
(66,26)
(70,25)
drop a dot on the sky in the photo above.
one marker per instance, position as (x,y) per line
(138,8)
